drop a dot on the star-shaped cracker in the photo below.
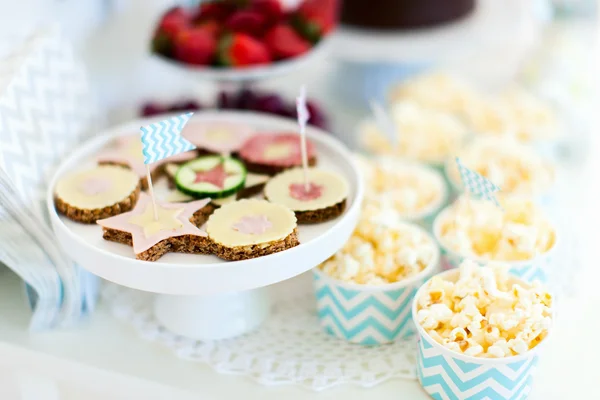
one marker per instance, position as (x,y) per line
(176,229)
(127,151)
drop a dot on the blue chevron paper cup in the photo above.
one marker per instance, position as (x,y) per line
(447,375)
(537,268)
(368,314)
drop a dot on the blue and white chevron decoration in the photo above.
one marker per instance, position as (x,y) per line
(446,375)
(478,185)
(367,317)
(163,139)
(46,107)
(529,271)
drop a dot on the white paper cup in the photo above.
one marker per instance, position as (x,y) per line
(537,268)
(368,314)
(445,374)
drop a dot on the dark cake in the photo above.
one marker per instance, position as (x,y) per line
(402,14)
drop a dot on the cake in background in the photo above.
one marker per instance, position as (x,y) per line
(402,14)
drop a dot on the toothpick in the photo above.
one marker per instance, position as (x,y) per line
(303,117)
(151,188)
(385,122)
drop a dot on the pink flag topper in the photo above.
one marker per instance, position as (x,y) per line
(301,109)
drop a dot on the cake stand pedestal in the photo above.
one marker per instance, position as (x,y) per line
(217,316)
(201,296)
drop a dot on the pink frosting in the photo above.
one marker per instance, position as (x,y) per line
(298,192)
(142,243)
(199,133)
(254,149)
(124,153)
(252,224)
(95,185)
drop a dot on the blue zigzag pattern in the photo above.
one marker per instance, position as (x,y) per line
(364,317)
(46,108)
(477,184)
(163,139)
(440,385)
(529,273)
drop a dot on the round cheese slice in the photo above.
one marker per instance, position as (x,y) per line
(326,189)
(99,187)
(250,222)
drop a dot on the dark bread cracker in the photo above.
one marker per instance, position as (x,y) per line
(90,216)
(321,215)
(256,250)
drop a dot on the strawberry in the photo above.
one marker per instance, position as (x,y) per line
(316,18)
(219,11)
(284,42)
(249,22)
(270,9)
(211,26)
(195,46)
(161,44)
(173,22)
(239,50)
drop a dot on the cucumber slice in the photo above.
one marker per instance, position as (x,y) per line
(222,177)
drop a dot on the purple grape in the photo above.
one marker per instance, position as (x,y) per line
(271,103)
(151,108)
(245,99)
(317,117)
(289,111)
(225,100)
(188,105)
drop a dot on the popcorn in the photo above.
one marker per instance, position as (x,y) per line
(513,113)
(475,228)
(484,312)
(515,168)
(378,254)
(422,134)
(525,116)
(437,91)
(397,189)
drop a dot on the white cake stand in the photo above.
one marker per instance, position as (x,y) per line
(248,74)
(201,296)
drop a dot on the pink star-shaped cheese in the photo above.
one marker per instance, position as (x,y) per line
(217,137)
(128,151)
(173,220)
(252,224)
(215,176)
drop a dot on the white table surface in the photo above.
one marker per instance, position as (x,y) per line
(106,360)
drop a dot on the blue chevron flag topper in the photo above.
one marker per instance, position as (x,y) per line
(476,184)
(163,139)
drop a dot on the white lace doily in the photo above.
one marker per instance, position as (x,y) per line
(289,348)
